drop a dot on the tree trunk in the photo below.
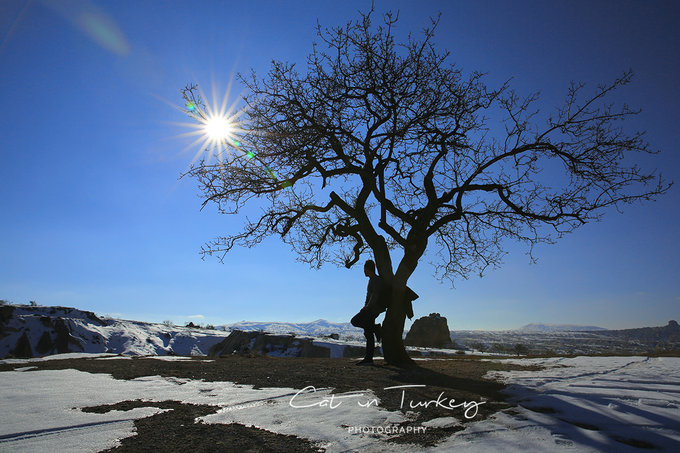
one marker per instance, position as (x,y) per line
(393,347)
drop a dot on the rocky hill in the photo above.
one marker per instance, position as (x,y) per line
(34,331)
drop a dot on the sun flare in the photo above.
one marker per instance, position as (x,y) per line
(218,128)
(216,125)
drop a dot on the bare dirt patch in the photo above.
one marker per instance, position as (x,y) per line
(181,433)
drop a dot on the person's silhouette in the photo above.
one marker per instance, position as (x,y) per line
(365,319)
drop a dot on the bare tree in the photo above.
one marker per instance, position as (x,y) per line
(382,147)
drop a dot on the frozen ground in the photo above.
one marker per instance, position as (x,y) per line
(608,404)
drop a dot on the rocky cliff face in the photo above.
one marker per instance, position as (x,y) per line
(27,331)
(430,331)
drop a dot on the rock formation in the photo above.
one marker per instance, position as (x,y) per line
(261,343)
(430,331)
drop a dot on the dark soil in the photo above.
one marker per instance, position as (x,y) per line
(181,434)
(457,378)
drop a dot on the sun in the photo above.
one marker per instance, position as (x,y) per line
(217,126)
(221,129)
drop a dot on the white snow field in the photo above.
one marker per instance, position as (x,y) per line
(582,404)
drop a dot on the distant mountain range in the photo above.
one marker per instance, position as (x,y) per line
(559,328)
(316,328)
(323,327)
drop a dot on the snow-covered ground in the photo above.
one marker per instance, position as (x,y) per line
(607,404)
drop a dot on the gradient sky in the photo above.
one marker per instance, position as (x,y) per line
(92,213)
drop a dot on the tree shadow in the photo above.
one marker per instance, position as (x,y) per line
(603,423)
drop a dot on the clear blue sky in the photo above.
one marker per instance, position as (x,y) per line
(92,214)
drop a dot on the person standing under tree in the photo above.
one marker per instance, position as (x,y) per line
(373,306)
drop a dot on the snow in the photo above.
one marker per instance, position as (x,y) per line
(316,328)
(573,404)
(42,409)
(68,355)
(93,335)
(442,422)
(138,338)
(311,418)
(597,403)
(38,414)
(171,358)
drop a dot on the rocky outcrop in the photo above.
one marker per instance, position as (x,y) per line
(239,342)
(56,338)
(29,331)
(6,312)
(23,350)
(664,338)
(430,331)
(261,343)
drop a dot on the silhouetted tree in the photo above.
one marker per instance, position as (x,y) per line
(378,146)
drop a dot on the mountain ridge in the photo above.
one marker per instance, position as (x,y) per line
(313,328)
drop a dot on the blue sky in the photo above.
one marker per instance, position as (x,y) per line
(92,213)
